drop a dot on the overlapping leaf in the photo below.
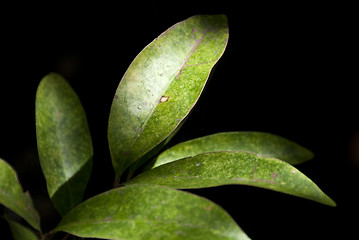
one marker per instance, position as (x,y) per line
(221,168)
(256,142)
(20,232)
(64,142)
(12,196)
(162,85)
(151,213)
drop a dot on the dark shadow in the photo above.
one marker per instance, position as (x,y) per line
(67,198)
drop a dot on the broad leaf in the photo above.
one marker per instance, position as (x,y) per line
(150,212)
(220,168)
(162,85)
(12,196)
(20,232)
(256,142)
(64,142)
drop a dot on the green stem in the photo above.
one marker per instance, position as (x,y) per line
(116,183)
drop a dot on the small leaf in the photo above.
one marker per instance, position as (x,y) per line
(221,168)
(256,142)
(12,196)
(150,212)
(20,232)
(162,85)
(64,142)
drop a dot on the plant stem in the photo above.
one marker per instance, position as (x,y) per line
(50,235)
(66,237)
(116,183)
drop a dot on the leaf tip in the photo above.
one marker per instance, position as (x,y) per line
(330,202)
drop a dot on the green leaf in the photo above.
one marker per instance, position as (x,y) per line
(256,142)
(221,168)
(64,142)
(12,196)
(150,212)
(162,85)
(20,232)
(153,152)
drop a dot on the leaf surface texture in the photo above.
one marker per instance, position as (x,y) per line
(256,142)
(150,212)
(223,168)
(13,197)
(162,85)
(64,142)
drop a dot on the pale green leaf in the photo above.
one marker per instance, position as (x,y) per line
(221,168)
(162,85)
(13,197)
(64,142)
(20,232)
(256,142)
(151,213)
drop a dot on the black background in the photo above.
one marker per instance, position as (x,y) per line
(287,69)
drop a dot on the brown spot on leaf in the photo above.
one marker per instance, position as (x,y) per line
(58,113)
(164,99)
(209,207)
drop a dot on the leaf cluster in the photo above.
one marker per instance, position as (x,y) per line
(152,101)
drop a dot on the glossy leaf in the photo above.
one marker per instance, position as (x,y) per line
(13,197)
(162,85)
(20,232)
(150,212)
(64,142)
(221,168)
(256,142)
